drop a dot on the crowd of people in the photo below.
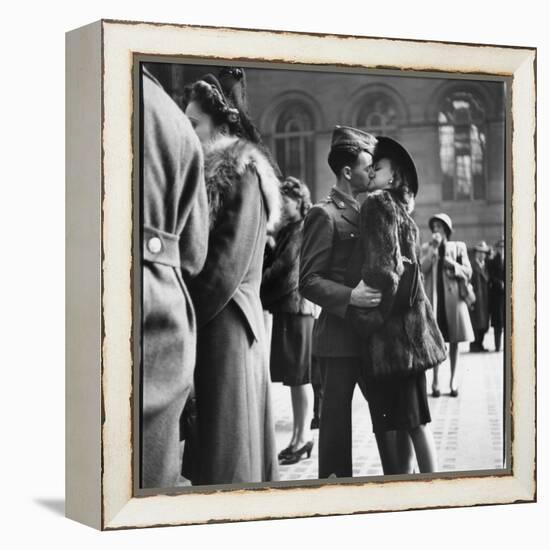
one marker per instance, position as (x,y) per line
(246,283)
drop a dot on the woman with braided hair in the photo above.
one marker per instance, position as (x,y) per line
(235,423)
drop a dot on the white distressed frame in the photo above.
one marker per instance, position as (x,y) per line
(112,506)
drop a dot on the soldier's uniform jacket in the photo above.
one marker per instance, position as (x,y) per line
(331,230)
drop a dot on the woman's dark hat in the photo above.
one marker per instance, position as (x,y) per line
(445,220)
(393,150)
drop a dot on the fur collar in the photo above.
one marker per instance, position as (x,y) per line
(227,157)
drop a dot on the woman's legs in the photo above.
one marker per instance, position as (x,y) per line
(453,359)
(435,381)
(453,356)
(301,410)
(396,452)
(424,447)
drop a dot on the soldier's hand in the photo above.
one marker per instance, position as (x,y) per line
(365,296)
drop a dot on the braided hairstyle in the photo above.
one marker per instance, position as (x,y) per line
(298,191)
(208,93)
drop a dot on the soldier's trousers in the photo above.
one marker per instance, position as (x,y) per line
(339,375)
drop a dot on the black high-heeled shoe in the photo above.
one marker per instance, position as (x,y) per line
(296,456)
(285,453)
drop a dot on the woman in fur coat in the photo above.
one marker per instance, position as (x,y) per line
(400,341)
(235,423)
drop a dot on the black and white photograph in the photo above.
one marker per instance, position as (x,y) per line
(323,275)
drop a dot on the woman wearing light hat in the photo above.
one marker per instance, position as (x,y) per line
(444,263)
(479,312)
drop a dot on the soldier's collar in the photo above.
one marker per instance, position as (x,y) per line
(341,199)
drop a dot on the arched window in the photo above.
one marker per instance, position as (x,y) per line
(293,141)
(462,146)
(379,114)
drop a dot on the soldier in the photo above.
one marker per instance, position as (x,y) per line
(331,230)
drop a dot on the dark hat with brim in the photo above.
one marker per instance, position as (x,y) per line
(393,150)
(445,220)
(345,138)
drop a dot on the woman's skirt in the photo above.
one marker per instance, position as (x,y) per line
(291,340)
(397,404)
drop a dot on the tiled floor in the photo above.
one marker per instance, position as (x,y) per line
(467,429)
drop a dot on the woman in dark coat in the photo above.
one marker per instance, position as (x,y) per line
(400,341)
(496,269)
(293,318)
(235,423)
(479,311)
(174,250)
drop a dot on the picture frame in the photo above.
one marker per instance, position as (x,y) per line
(101,255)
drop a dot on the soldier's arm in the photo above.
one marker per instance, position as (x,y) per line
(315,258)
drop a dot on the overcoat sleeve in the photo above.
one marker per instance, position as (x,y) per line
(462,267)
(229,247)
(193,242)
(276,280)
(428,255)
(315,257)
(382,262)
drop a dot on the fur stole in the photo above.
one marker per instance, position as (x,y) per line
(226,160)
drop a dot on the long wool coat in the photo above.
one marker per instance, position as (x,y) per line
(407,342)
(456,309)
(479,313)
(236,426)
(175,235)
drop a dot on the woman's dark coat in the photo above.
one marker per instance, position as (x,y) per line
(175,234)
(236,427)
(281,276)
(479,313)
(408,342)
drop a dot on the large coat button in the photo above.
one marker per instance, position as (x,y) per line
(154,244)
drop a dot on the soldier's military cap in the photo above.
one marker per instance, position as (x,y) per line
(345,138)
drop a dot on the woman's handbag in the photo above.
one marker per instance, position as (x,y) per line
(408,287)
(466,292)
(465,289)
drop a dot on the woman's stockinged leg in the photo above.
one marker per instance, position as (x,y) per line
(453,356)
(294,438)
(302,397)
(435,379)
(396,452)
(405,452)
(424,447)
